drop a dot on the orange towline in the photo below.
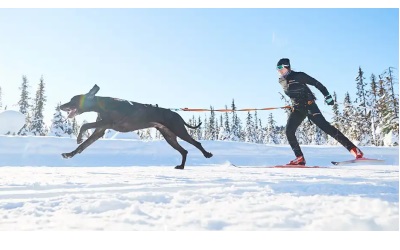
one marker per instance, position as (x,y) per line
(229,110)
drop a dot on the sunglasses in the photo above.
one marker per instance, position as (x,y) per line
(281,66)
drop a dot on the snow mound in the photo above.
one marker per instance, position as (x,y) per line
(112,134)
(11,122)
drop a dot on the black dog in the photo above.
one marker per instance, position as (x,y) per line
(126,116)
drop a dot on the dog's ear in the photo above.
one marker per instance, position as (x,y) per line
(93,91)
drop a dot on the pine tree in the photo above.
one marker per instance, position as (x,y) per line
(212,131)
(318,137)
(348,119)
(192,132)
(305,132)
(258,133)
(221,120)
(337,122)
(216,129)
(372,98)
(206,132)
(362,116)
(271,136)
(57,123)
(389,121)
(199,131)
(236,128)
(222,134)
(382,110)
(250,135)
(24,105)
(361,100)
(261,133)
(227,126)
(75,127)
(282,135)
(234,136)
(68,128)
(394,97)
(38,125)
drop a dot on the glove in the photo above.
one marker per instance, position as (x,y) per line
(329,100)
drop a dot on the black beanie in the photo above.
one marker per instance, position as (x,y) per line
(283,61)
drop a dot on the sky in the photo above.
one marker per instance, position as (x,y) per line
(131,186)
(193,58)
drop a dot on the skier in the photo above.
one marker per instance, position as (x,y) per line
(303,105)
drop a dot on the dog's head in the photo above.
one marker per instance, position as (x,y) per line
(80,103)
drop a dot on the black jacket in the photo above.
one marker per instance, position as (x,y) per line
(295,86)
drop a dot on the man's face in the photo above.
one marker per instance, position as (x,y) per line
(282,70)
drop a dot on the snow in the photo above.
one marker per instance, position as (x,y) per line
(112,134)
(131,185)
(11,121)
(391,139)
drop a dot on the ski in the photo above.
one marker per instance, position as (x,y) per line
(279,166)
(361,160)
(295,166)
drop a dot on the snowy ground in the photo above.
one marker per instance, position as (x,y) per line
(132,185)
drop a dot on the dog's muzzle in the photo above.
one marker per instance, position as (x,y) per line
(72,112)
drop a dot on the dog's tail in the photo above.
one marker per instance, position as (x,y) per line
(197,126)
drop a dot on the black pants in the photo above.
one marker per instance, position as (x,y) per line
(314,114)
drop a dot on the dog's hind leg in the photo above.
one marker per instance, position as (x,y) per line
(170,137)
(177,126)
(97,134)
(184,135)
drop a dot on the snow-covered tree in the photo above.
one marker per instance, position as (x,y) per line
(271,135)
(227,126)
(249,133)
(75,127)
(37,126)
(388,118)
(362,115)
(372,101)
(199,131)
(236,126)
(348,120)
(211,126)
(261,132)
(57,127)
(24,105)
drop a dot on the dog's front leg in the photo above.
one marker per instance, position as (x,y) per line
(98,133)
(87,126)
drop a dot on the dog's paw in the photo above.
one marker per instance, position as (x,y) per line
(179,167)
(79,140)
(208,155)
(66,155)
